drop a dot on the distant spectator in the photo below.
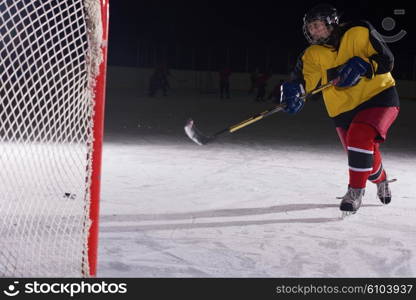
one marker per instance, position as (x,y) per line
(159,80)
(224,77)
(261,84)
(253,79)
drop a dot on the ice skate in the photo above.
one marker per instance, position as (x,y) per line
(383,191)
(351,201)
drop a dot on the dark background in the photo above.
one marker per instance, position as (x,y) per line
(206,35)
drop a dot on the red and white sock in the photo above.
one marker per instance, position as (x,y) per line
(378,173)
(361,149)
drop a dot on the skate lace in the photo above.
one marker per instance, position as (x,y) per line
(351,195)
(383,189)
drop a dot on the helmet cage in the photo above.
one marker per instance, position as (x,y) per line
(329,18)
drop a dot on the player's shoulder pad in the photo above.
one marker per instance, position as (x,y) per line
(357,26)
(312,50)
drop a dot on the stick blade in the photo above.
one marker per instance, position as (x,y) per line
(194,134)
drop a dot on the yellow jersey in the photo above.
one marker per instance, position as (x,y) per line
(318,64)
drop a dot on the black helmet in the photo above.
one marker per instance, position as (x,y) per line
(323,12)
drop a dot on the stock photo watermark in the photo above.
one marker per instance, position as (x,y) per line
(72,289)
(389,24)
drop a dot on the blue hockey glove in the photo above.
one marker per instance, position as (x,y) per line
(350,73)
(290,93)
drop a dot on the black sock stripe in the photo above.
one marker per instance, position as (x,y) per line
(360,160)
(376,175)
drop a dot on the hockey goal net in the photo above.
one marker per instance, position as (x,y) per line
(52,79)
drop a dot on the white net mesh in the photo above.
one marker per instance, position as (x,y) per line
(49,57)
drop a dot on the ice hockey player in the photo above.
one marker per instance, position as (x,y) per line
(224,80)
(261,85)
(363,103)
(159,80)
(253,79)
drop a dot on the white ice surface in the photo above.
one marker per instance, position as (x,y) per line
(257,203)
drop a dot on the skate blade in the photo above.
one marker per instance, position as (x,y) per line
(346,214)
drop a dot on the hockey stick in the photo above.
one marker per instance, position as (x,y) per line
(201,139)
